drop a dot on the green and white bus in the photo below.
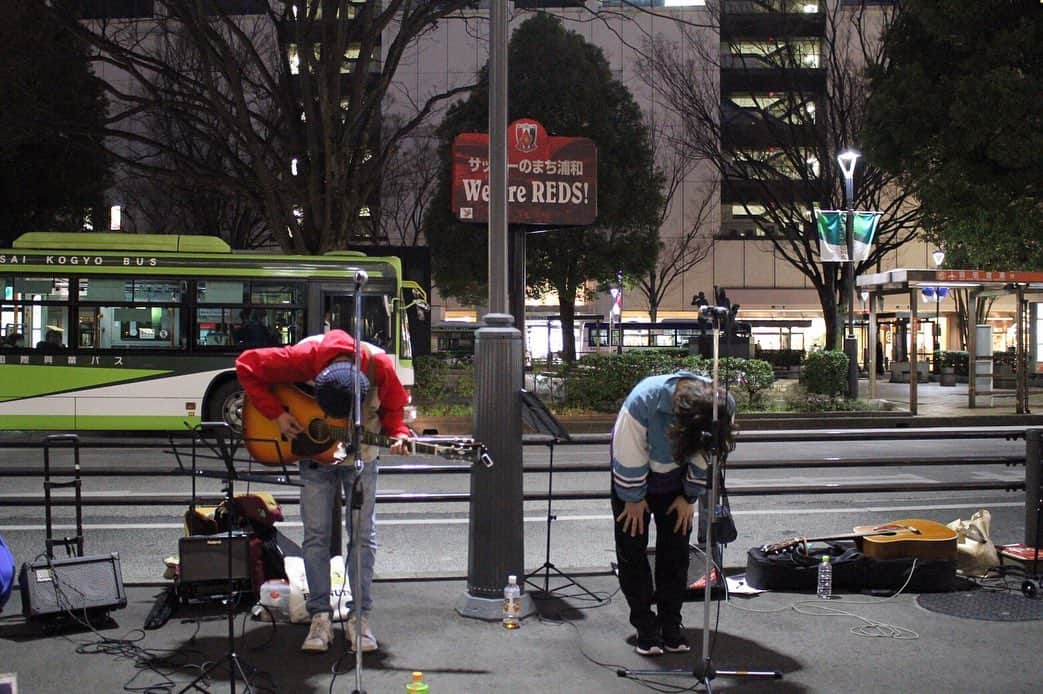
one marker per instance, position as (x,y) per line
(113,331)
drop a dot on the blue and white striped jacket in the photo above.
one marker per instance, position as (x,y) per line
(642,454)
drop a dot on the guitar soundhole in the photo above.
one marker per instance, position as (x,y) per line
(315,439)
(318,431)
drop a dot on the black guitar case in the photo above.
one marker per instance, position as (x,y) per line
(794,569)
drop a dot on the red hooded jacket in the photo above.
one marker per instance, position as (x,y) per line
(258,369)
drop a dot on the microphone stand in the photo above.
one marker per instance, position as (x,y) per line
(705,670)
(356,487)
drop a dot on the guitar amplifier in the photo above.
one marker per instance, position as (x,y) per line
(203,569)
(71,586)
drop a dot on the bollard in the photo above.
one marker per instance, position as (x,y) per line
(495,533)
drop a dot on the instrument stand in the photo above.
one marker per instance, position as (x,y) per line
(705,670)
(539,418)
(356,488)
(1030,586)
(222,447)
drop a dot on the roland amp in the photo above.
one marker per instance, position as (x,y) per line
(77,588)
(203,564)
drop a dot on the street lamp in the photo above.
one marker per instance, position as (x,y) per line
(847,161)
(939,293)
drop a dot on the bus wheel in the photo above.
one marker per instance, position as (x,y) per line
(226,405)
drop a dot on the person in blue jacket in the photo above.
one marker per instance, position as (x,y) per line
(661,442)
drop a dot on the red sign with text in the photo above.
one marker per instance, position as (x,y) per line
(550,180)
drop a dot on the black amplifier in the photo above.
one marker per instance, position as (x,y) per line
(72,586)
(203,567)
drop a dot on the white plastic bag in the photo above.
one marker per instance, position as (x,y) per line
(340,589)
(298,589)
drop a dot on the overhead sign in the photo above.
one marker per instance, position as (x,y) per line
(832,234)
(550,180)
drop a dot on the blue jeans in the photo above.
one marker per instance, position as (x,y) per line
(317,498)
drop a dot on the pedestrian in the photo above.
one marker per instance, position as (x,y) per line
(661,444)
(328,361)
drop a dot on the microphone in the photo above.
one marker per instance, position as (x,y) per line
(713,312)
(361,276)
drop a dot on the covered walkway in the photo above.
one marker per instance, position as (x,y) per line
(976,287)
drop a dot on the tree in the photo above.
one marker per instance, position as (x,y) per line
(283,106)
(681,252)
(558,79)
(51,170)
(957,113)
(409,183)
(814,108)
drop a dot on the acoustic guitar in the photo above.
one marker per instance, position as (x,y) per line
(322,435)
(915,538)
(911,538)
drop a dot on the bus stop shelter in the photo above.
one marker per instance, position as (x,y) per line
(979,285)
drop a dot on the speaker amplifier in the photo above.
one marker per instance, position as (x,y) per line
(72,585)
(203,569)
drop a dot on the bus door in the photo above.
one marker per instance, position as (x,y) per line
(338,312)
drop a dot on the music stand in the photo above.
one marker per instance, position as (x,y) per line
(536,415)
(224,447)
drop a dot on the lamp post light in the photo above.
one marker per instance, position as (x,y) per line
(847,161)
(939,293)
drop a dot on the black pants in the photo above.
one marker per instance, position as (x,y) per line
(635,572)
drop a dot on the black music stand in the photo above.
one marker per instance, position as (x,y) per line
(221,442)
(536,415)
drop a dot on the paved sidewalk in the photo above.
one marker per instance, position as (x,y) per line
(573,646)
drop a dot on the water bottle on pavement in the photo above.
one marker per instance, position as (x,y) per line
(417,685)
(825,579)
(511,603)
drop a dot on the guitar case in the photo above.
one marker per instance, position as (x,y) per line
(793,569)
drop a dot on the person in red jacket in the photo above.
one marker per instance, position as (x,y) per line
(328,361)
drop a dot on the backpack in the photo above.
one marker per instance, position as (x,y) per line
(6,573)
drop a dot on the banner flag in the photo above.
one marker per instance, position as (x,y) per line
(832,234)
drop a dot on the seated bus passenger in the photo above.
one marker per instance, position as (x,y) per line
(52,342)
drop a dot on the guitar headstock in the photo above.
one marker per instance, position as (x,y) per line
(784,545)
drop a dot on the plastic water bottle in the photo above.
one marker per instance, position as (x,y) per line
(511,603)
(825,579)
(417,686)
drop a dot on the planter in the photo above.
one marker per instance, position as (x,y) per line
(948,377)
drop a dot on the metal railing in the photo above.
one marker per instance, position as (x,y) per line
(412,468)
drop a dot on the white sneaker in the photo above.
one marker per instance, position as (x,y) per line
(369,642)
(320,635)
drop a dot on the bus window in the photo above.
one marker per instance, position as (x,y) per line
(339,310)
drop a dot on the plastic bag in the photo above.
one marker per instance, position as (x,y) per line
(976,553)
(340,589)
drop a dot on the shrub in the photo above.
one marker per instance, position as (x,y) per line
(825,373)
(441,381)
(600,382)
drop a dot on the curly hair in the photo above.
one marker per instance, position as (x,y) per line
(692,430)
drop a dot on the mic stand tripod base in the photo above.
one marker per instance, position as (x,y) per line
(704,671)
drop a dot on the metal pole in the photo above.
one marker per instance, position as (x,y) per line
(498,158)
(850,342)
(495,533)
(1033,487)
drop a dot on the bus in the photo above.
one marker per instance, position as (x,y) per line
(114,331)
(693,335)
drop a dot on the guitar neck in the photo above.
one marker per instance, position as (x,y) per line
(346,434)
(793,542)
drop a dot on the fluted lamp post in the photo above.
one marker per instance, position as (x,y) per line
(847,161)
(939,293)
